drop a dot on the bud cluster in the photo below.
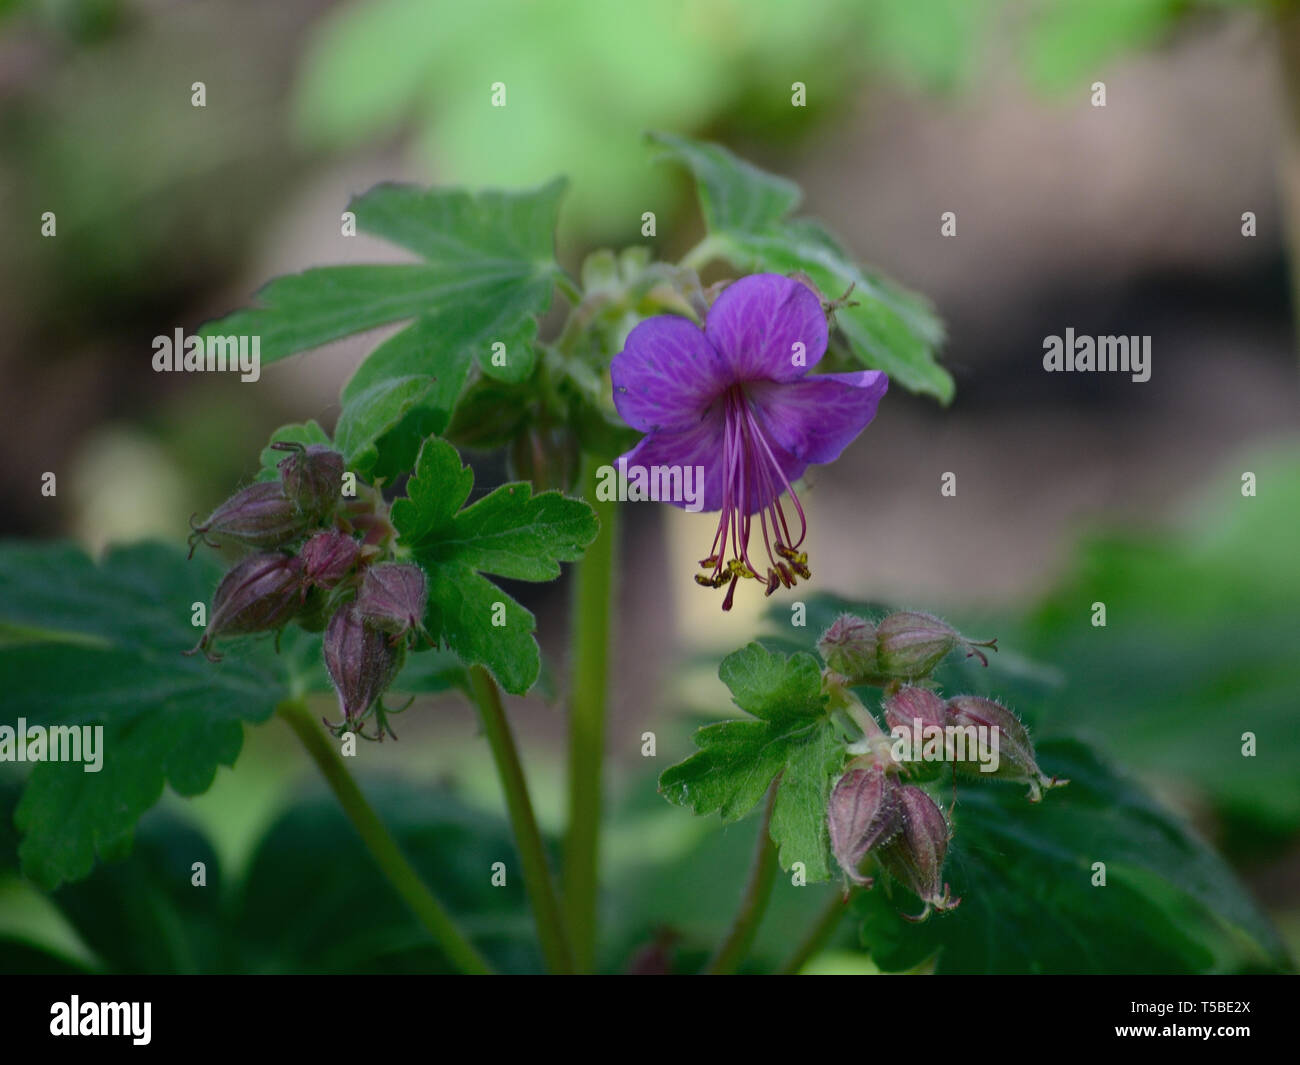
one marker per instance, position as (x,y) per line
(319,560)
(904,646)
(876,815)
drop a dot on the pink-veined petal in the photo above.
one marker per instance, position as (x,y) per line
(757,323)
(666,375)
(699,445)
(815,419)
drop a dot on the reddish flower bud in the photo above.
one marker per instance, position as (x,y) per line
(361,663)
(260,516)
(914,857)
(1016,759)
(849,647)
(911,645)
(912,715)
(864,812)
(393,597)
(910,704)
(312,476)
(328,557)
(260,593)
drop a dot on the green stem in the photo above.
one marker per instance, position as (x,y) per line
(379,841)
(818,935)
(592,610)
(568,287)
(537,873)
(708,249)
(753,903)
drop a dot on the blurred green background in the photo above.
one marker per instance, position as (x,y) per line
(1071,488)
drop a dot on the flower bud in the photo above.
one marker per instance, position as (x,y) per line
(910,704)
(914,857)
(260,593)
(849,647)
(260,516)
(912,714)
(312,476)
(1016,759)
(911,645)
(393,597)
(328,557)
(864,812)
(361,663)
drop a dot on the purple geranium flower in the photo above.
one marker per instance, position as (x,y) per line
(733,398)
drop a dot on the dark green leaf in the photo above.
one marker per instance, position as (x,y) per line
(508,533)
(746,211)
(1025,875)
(493,250)
(89,644)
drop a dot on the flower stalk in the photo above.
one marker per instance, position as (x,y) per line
(753,904)
(379,841)
(532,852)
(589,686)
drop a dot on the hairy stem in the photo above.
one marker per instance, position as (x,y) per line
(379,841)
(537,872)
(753,903)
(818,935)
(592,611)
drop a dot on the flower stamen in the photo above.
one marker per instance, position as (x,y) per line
(753,483)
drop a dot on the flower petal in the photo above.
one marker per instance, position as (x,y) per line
(666,375)
(758,320)
(700,445)
(813,420)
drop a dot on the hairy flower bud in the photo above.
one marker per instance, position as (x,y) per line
(1016,759)
(260,516)
(912,715)
(328,557)
(910,645)
(312,475)
(915,856)
(260,593)
(361,662)
(393,597)
(864,812)
(849,647)
(910,704)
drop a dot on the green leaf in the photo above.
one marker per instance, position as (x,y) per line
(509,533)
(493,250)
(1025,875)
(746,210)
(737,197)
(1198,649)
(373,414)
(100,644)
(794,738)
(351,920)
